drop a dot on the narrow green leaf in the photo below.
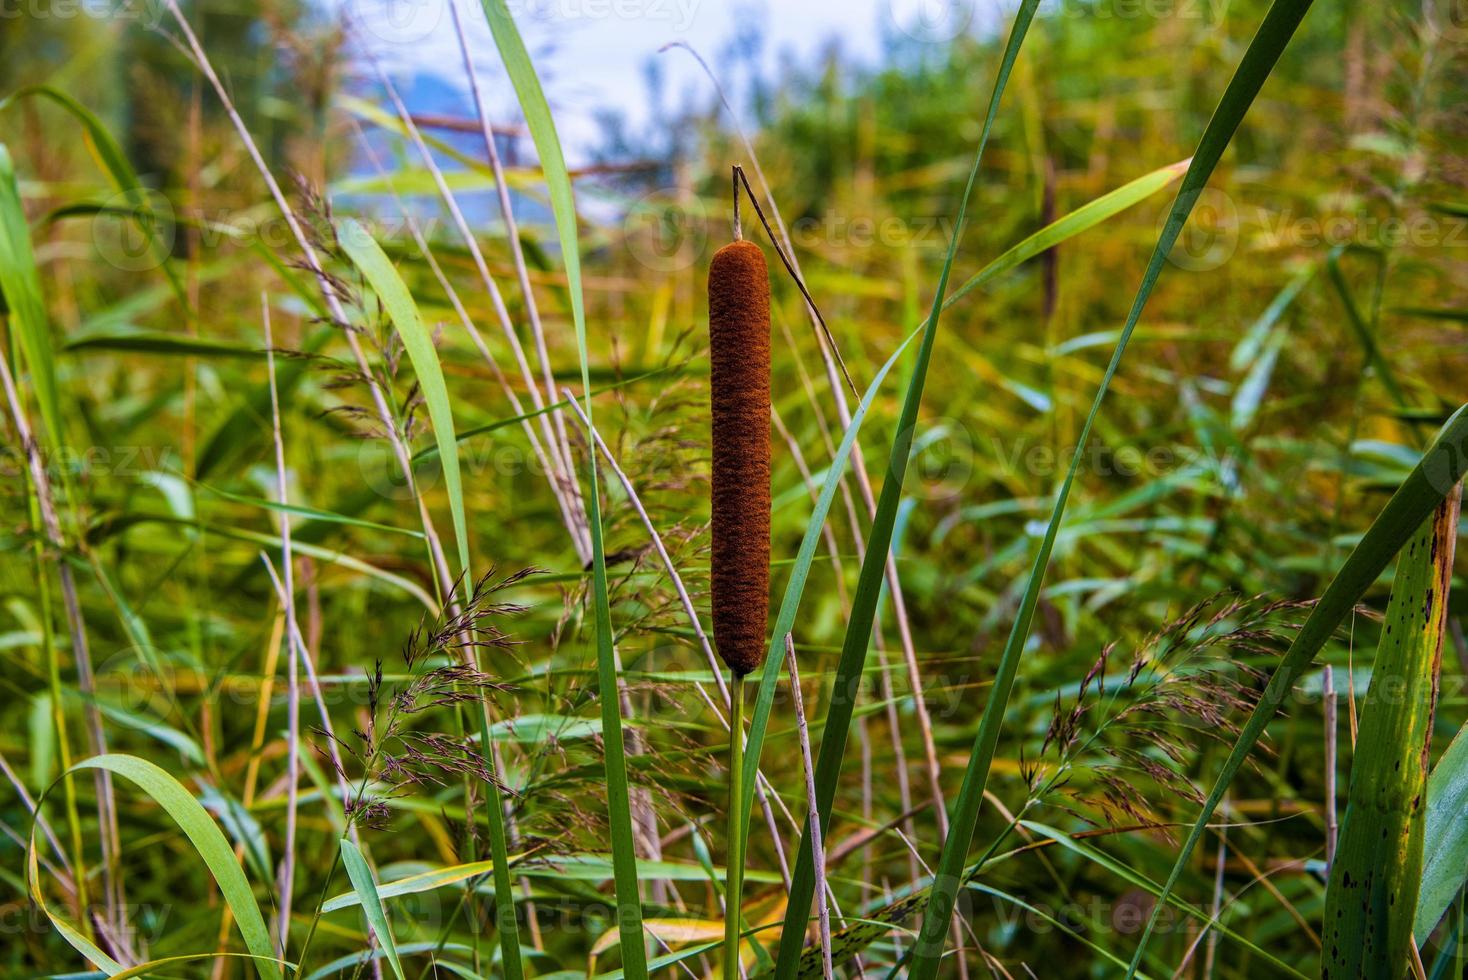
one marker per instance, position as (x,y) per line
(873,567)
(309,513)
(1432,313)
(374,264)
(1082,218)
(1445,849)
(155,342)
(119,168)
(20,282)
(415,884)
(619,812)
(210,843)
(1278,27)
(1371,897)
(1430,481)
(365,885)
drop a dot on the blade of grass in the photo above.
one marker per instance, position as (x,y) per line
(1278,27)
(210,844)
(1085,217)
(157,342)
(20,282)
(558,184)
(1445,865)
(874,562)
(1371,897)
(378,269)
(119,168)
(1434,476)
(365,886)
(422,882)
(1365,336)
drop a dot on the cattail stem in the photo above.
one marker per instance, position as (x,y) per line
(739,518)
(734,872)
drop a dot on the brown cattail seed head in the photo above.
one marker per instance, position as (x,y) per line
(739,389)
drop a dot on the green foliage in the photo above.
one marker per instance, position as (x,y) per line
(550,802)
(1371,900)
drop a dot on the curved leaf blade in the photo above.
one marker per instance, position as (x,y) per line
(364,883)
(1370,899)
(1445,850)
(870,583)
(378,269)
(1083,218)
(1434,476)
(209,842)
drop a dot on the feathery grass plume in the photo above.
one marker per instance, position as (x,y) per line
(739,388)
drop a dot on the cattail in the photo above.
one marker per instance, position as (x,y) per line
(739,349)
(739,352)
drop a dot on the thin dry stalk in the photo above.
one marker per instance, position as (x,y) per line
(328,292)
(287,878)
(106,802)
(36,814)
(559,455)
(558,489)
(1211,950)
(517,252)
(763,789)
(817,848)
(1332,825)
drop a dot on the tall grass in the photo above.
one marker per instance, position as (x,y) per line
(525,775)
